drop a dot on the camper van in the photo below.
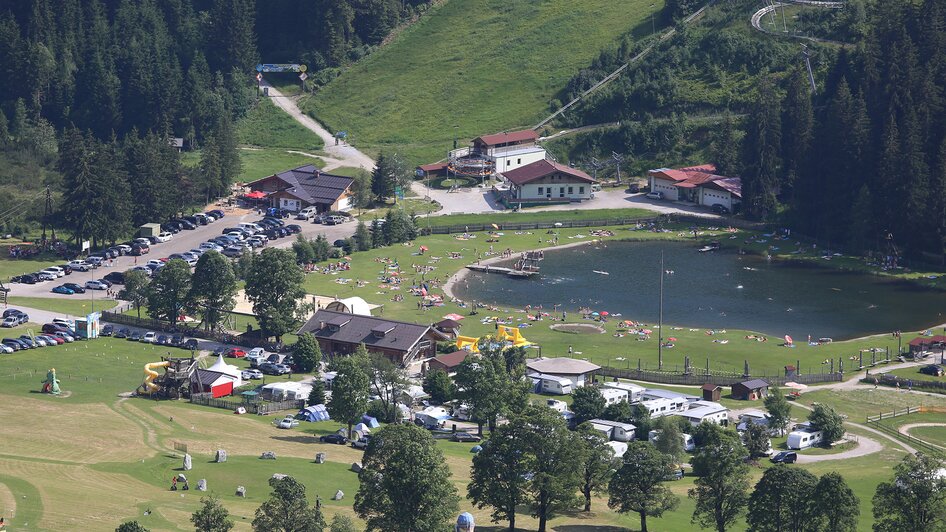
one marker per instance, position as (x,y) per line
(614,430)
(688,444)
(664,407)
(551,384)
(803,438)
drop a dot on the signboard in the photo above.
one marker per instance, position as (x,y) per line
(303,76)
(86,245)
(280,67)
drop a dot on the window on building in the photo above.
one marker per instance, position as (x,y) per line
(581,190)
(518,161)
(508,162)
(540,190)
(561,192)
(571,190)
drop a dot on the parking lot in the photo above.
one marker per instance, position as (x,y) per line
(185,240)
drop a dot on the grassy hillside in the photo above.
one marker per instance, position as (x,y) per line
(482,65)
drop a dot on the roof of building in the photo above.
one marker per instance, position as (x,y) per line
(626,386)
(206,377)
(614,392)
(352,305)
(754,384)
(668,394)
(702,175)
(309,184)
(608,423)
(710,387)
(356,329)
(926,340)
(561,366)
(433,167)
(508,137)
(452,360)
(539,169)
(447,324)
(545,377)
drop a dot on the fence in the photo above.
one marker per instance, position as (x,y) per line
(893,380)
(521,226)
(701,377)
(180,447)
(896,413)
(163,326)
(262,407)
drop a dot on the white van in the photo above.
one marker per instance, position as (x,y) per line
(803,438)
(688,444)
(307,213)
(250,227)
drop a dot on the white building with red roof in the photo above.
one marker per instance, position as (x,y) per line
(547,181)
(697,184)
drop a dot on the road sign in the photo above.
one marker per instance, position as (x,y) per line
(303,76)
(259,67)
(303,68)
(259,77)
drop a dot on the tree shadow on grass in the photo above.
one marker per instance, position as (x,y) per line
(297,439)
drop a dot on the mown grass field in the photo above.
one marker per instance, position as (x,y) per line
(75,305)
(483,65)
(503,217)
(267,126)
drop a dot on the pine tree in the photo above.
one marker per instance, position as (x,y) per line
(724,146)
(382,179)
(762,153)
(797,124)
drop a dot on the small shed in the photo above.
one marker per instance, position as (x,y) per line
(712,392)
(448,362)
(750,390)
(448,327)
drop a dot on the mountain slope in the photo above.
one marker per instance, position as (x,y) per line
(482,65)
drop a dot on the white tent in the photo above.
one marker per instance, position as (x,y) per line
(229,370)
(362,428)
(350,305)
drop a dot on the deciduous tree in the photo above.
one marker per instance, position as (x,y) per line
(915,499)
(781,500)
(274,286)
(213,288)
(405,482)
(587,403)
(438,386)
(721,490)
(828,421)
(287,509)
(306,353)
(834,505)
(211,516)
(638,486)
(349,391)
(597,462)
(756,440)
(778,409)
(670,440)
(135,289)
(169,290)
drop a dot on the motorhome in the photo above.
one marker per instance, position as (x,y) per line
(700,411)
(634,392)
(614,430)
(803,437)
(664,407)
(613,396)
(551,384)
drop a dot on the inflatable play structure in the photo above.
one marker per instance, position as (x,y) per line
(51,384)
(503,334)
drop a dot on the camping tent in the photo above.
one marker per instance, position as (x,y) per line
(314,413)
(371,422)
(362,428)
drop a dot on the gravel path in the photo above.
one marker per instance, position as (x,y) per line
(905,430)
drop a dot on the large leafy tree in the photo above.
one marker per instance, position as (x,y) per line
(131,526)
(274,286)
(915,499)
(213,288)
(670,440)
(781,500)
(834,504)
(169,291)
(405,482)
(597,462)
(481,389)
(350,390)
(438,385)
(556,475)
(135,289)
(638,486)
(828,421)
(211,516)
(388,381)
(587,403)
(756,440)
(778,411)
(287,509)
(721,490)
(499,475)
(306,353)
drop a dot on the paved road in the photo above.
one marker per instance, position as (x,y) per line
(343,154)
(183,241)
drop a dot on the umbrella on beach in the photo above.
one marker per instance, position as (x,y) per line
(604,312)
(788,339)
(671,339)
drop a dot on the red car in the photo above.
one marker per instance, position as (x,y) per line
(234,352)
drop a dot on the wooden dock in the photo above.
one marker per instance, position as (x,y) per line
(501,269)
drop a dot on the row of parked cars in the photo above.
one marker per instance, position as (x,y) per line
(261,361)
(312,213)
(249,235)
(149,337)
(56,333)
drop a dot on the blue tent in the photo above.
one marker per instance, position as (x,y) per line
(370,421)
(314,413)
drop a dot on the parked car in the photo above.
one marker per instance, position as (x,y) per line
(784,457)
(26,278)
(252,374)
(55,270)
(465,437)
(46,276)
(12,312)
(53,328)
(362,442)
(50,339)
(190,344)
(11,343)
(63,289)
(149,337)
(107,330)
(122,333)
(115,277)
(234,352)
(334,438)
(932,369)
(135,336)
(288,422)
(32,342)
(96,285)
(654,195)
(77,288)
(217,212)
(294,228)
(80,266)
(272,369)
(233,251)
(719,208)
(14,320)
(65,335)
(138,250)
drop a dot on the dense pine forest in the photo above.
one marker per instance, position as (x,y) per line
(96,88)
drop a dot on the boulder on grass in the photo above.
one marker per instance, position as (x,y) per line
(356,467)
(241,491)
(268,455)
(339,495)
(188,462)
(221,456)
(320,458)
(202,484)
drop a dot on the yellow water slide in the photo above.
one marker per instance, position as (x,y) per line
(150,374)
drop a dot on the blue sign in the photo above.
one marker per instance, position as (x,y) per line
(259,67)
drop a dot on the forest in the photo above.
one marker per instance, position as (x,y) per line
(123,77)
(859,163)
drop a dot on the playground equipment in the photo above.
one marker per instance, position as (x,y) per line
(51,384)
(150,374)
(512,335)
(175,383)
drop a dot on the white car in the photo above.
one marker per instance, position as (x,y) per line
(288,422)
(5,349)
(149,337)
(56,270)
(147,271)
(153,262)
(654,195)
(80,266)
(256,352)
(251,374)
(210,246)
(63,323)
(46,276)
(165,236)
(65,336)
(141,241)
(96,285)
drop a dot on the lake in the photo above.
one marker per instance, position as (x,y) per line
(719,289)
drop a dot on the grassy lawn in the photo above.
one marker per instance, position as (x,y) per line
(268,126)
(483,65)
(76,305)
(935,435)
(865,401)
(346,171)
(10,267)
(914,373)
(262,162)
(540,216)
